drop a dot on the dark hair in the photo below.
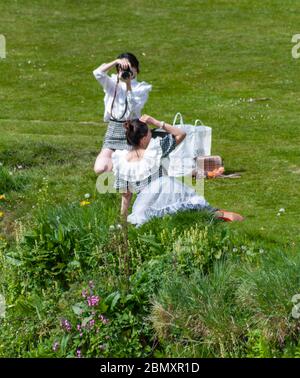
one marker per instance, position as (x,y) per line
(135,131)
(132,60)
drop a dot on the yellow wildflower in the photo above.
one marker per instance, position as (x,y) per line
(84,203)
(1,214)
(2,196)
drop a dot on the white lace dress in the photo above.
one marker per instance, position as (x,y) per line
(157,193)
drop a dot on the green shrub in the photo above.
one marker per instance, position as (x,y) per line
(62,243)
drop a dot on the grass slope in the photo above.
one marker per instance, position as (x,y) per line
(205,59)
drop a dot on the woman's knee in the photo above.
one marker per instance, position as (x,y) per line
(103,163)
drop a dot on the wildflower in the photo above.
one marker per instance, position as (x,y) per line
(78,353)
(93,300)
(119,227)
(78,327)
(243,248)
(111,227)
(92,323)
(2,197)
(282,210)
(261,250)
(103,319)
(55,346)
(66,325)
(1,214)
(84,203)
(84,293)
(102,347)
(80,334)
(91,285)
(234,250)
(87,195)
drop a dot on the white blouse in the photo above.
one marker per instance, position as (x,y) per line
(136,98)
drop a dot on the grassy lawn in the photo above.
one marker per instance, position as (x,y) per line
(227,62)
(205,59)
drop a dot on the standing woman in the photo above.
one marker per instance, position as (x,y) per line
(124,100)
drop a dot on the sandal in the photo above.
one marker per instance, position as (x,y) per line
(215,173)
(229,216)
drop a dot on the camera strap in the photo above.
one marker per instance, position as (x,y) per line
(112,105)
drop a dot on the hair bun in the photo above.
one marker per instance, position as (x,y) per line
(127,125)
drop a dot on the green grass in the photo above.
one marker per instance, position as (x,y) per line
(204,59)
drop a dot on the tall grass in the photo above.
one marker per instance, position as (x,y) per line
(200,312)
(10,180)
(267,291)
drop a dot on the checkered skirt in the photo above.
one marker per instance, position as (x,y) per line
(115,137)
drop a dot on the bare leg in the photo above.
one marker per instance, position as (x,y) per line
(103,162)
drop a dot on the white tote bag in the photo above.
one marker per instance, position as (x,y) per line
(181,161)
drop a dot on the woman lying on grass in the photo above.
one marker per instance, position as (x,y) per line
(140,171)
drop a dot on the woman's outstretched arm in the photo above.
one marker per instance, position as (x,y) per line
(126,198)
(106,81)
(178,134)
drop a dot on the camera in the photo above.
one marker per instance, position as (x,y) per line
(126,74)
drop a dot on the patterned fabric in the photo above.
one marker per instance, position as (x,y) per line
(167,144)
(206,164)
(115,137)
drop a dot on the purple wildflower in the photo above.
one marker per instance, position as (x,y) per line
(92,323)
(91,285)
(84,293)
(78,353)
(55,346)
(66,325)
(103,319)
(78,327)
(93,300)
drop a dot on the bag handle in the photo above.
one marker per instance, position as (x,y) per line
(175,119)
(199,120)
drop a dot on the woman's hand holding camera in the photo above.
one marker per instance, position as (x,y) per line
(122,63)
(125,72)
